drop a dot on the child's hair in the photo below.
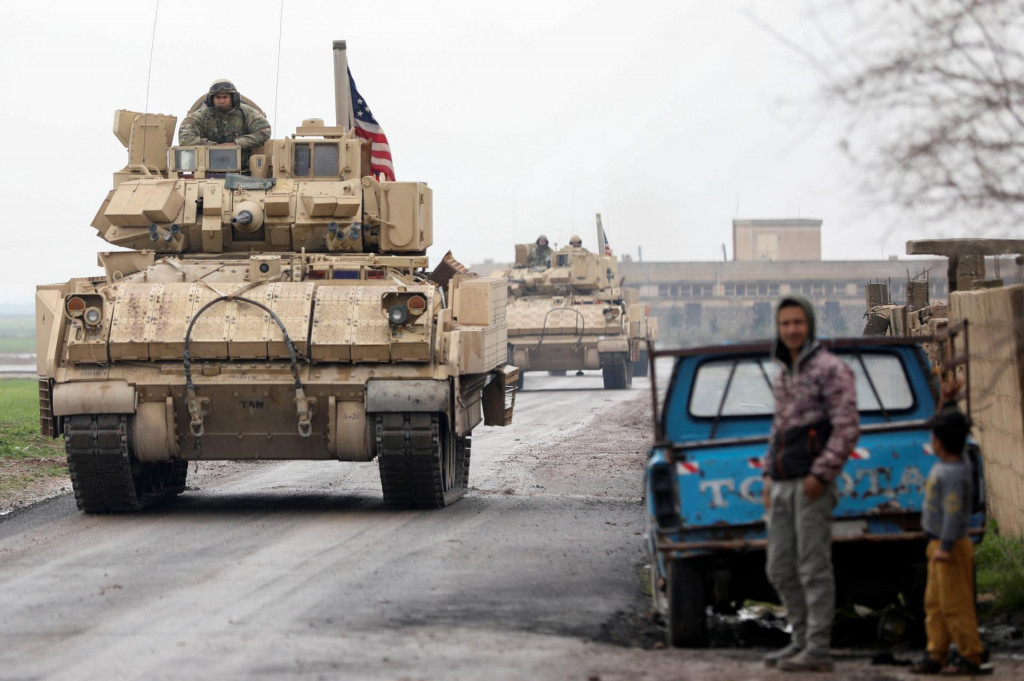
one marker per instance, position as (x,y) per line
(951,427)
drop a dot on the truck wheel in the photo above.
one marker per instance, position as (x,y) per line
(521,380)
(616,373)
(687,604)
(640,366)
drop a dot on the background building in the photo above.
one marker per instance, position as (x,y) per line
(709,302)
(717,301)
(776,240)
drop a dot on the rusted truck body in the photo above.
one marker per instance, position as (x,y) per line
(707,529)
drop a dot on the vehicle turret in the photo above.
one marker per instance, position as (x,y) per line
(312,191)
(572,270)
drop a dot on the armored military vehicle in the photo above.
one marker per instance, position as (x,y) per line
(572,313)
(286,313)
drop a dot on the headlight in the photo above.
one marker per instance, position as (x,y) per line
(85,306)
(92,316)
(398,315)
(403,307)
(75,306)
(417,304)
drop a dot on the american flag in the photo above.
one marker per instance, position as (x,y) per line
(607,248)
(366,127)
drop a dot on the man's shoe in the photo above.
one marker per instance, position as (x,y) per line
(807,662)
(772,659)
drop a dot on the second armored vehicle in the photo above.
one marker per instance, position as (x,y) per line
(573,314)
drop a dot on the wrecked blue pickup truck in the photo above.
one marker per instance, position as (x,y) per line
(703,481)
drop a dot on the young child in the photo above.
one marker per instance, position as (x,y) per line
(949,595)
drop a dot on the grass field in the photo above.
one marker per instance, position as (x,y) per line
(17,333)
(1000,570)
(17,345)
(25,455)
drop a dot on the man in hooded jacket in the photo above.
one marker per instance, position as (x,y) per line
(816,426)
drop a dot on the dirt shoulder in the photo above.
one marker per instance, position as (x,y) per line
(24,482)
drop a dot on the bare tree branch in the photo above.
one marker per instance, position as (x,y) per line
(934,90)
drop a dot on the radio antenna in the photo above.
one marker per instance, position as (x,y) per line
(149,79)
(277,76)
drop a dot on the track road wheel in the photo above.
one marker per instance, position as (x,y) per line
(687,604)
(422,465)
(617,373)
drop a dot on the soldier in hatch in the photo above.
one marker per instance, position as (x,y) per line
(541,255)
(224,119)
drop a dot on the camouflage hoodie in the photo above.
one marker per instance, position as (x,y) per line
(816,388)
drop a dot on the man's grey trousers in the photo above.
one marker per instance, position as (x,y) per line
(799,562)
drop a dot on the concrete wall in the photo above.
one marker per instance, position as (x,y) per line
(704,322)
(996,337)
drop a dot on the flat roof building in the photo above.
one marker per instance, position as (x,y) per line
(776,240)
(713,301)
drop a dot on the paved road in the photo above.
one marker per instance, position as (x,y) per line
(294,570)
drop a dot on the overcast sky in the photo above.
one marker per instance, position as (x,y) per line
(669,118)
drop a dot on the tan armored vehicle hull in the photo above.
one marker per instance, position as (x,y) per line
(275,317)
(573,315)
(573,333)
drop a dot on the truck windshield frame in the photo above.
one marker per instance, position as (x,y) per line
(741,387)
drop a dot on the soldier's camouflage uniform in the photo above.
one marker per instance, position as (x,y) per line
(540,257)
(242,125)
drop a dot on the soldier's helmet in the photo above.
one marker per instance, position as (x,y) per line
(223,86)
(575,240)
(542,238)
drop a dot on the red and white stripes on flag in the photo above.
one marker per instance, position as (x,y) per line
(602,238)
(366,126)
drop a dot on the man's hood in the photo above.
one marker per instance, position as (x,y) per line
(779,349)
